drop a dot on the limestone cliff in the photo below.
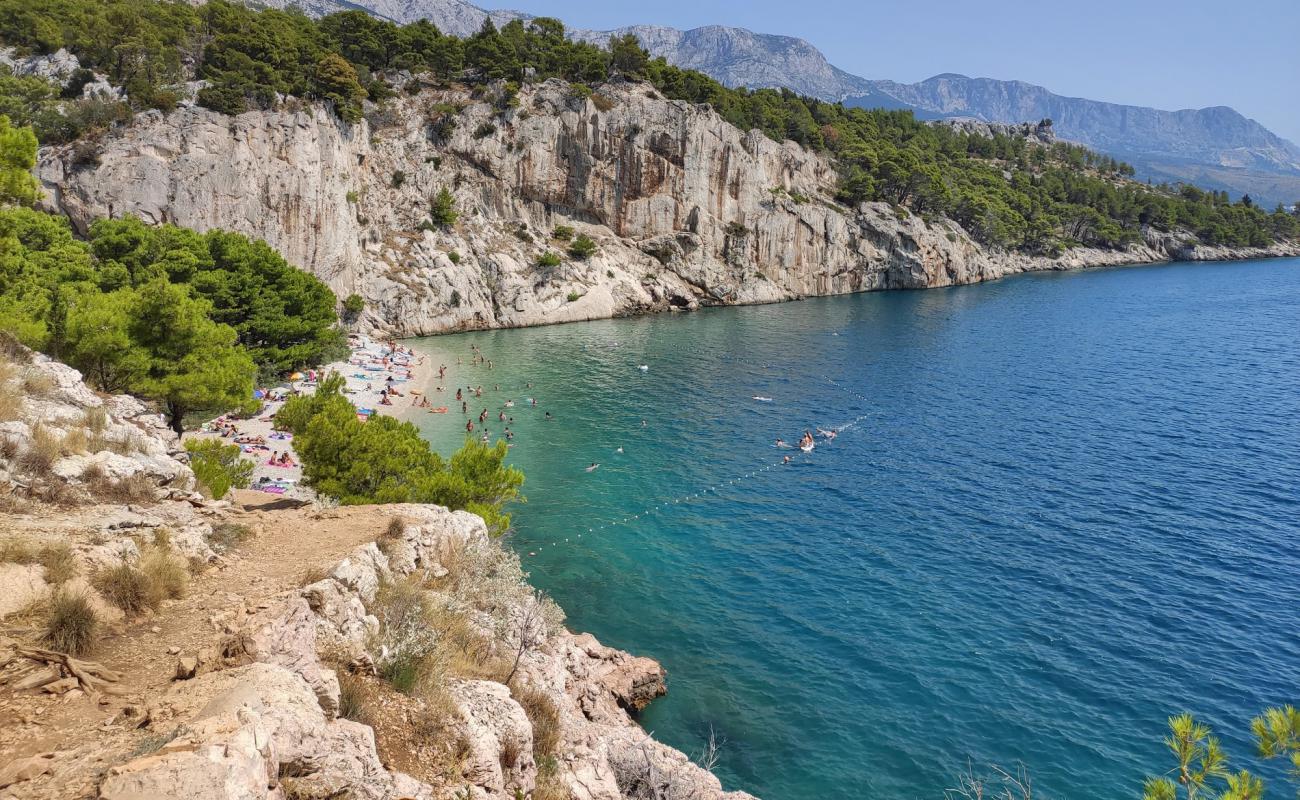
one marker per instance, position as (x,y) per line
(686,209)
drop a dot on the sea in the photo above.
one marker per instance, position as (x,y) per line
(1057,509)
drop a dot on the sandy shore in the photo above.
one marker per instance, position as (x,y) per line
(366,376)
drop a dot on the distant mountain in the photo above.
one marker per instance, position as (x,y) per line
(1213,147)
(740,57)
(1217,136)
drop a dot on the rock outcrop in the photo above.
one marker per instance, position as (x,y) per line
(273,713)
(686,209)
(66,443)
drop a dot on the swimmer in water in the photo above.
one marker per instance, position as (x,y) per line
(548,415)
(619,450)
(781,443)
(593,466)
(785,460)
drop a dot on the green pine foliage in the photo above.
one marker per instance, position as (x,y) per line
(442,211)
(582,247)
(1006,191)
(218,466)
(168,314)
(383,460)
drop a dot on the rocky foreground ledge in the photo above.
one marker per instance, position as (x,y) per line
(277,672)
(270,706)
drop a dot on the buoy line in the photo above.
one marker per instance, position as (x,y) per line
(659,507)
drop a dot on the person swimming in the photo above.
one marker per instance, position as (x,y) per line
(619,450)
(593,467)
(548,415)
(780,442)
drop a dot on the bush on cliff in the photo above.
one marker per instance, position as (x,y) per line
(383,460)
(218,466)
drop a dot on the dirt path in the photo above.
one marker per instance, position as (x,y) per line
(285,546)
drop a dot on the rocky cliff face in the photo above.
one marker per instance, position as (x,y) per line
(686,209)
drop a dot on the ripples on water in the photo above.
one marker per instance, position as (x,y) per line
(1072,510)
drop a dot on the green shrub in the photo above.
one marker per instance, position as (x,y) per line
(384,460)
(353,305)
(549,259)
(352,196)
(442,210)
(574,297)
(453,257)
(562,232)
(399,178)
(582,248)
(219,466)
(484,130)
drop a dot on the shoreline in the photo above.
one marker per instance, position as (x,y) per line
(1075,260)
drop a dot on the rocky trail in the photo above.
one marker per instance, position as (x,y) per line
(286,548)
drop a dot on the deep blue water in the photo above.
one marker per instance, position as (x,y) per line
(1072,509)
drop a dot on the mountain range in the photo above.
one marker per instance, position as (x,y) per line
(1216,148)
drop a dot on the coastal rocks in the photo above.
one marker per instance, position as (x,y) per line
(603,674)
(266,723)
(685,209)
(498,738)
(593,689)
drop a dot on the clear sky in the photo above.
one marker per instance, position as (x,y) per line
(1161,53)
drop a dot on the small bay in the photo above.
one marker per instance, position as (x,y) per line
(1059,508)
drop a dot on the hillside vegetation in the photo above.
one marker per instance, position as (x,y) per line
(1006,190)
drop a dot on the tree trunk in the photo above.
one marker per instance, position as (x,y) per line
(176,417)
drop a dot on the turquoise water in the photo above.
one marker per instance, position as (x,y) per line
(1072,508)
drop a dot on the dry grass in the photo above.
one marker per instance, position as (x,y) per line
(71,623)
(127,588)
(37,383)
(59,563)
(167,573)
(439,722)
(396,528)
(545,718)
(312,575)
(352,698)
(11,396)
(9,447)
(511,749)
(137,488)
(43,449)
(95,420)
(74,441)
(18,551)
(227,536)
(549,786)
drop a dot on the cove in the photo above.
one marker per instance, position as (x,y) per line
(1070,509)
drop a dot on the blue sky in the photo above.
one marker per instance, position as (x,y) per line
(1189,54)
